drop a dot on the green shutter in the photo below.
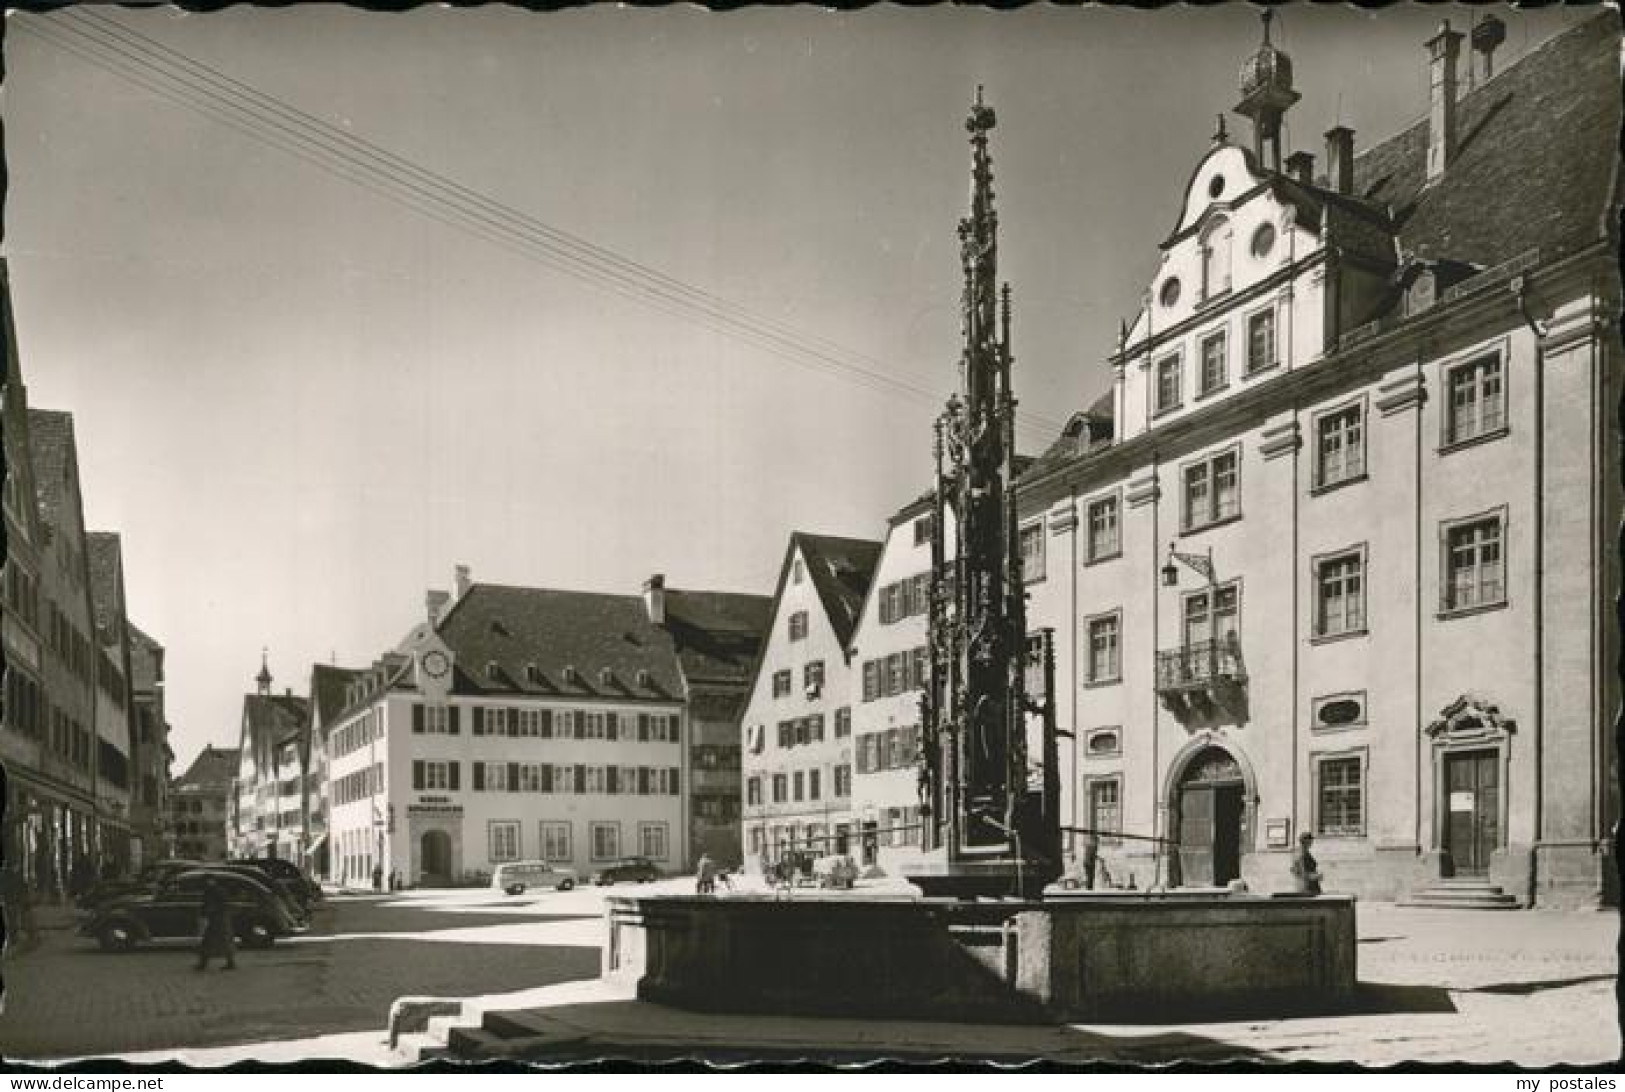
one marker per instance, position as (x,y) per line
(513,777)
(547,724)
(479,720)
(479,776)
(455,769)
(417,719)
(452,721)
(417,766)
(611,725)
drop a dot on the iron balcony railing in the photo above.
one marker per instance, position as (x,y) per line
(1201,664)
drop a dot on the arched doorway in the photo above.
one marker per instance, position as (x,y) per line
(1210,818)
(436,857)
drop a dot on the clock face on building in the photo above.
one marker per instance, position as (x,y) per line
(436,665)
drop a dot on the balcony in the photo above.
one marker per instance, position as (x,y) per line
(1202,678)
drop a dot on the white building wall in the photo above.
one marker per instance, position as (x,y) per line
(772,826)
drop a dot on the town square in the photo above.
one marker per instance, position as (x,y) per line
(1081,536)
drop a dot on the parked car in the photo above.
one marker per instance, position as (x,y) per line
(627,870)
(517,877)
(291,896)
(110,889)
(171,908)
(288,873)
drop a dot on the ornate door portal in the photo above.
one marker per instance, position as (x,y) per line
(1473,810)
(1212,810)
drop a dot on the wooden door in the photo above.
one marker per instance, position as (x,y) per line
(1196,836)
(1472,825)
(1227,821)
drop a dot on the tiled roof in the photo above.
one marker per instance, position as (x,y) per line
(589,632)
(1536,155)
(328,686)
(269,720)
(717,635)
(212,766)
(103,552)
(51,450)
(146,658)
(841,569)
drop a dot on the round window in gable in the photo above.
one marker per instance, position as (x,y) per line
(1170,292)
(1263,240)
(1215,186)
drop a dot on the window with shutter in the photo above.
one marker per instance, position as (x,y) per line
(455,767)
(612,780)
(452,714)
(479,721)
(547,777)
(581,777)
(417,768)
(643,781)
(671,781)
(672,722)
(479,777)
(547,724)
(417,719)
(612,725)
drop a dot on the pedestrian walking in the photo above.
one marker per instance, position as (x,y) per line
(377,877)
(1091,861)
(705,880)
(1305,869)
(217,937)
(394,879)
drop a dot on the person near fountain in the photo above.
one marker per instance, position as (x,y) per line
(1305,869)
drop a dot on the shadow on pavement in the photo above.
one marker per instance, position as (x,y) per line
(1523,989)
(153,1000)
(1376,998)
(393,919)
(655,1034)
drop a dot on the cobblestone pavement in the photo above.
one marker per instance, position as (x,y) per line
(1523,987)
(65,997)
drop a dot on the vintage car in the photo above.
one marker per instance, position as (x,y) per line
(104,890)
(517,877)
(627,870)
(292,896)
(288,874)
(171,909)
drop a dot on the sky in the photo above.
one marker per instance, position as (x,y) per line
(302,401)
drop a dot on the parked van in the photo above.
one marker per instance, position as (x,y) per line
(517,877)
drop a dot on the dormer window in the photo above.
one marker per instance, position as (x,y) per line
(1216,258)
(606,676)
(533,674)
(492,670)
(570,674)
(644,679)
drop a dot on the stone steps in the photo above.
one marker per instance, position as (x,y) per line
(1462,893)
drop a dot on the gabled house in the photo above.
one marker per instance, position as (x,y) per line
(797,725)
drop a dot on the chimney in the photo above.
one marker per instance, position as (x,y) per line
(1488,34)
(462,581)
(1301,165)
(1443,49)
(1340,159)
(654,598)
(435,605)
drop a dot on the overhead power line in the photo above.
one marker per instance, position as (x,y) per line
(109,44)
